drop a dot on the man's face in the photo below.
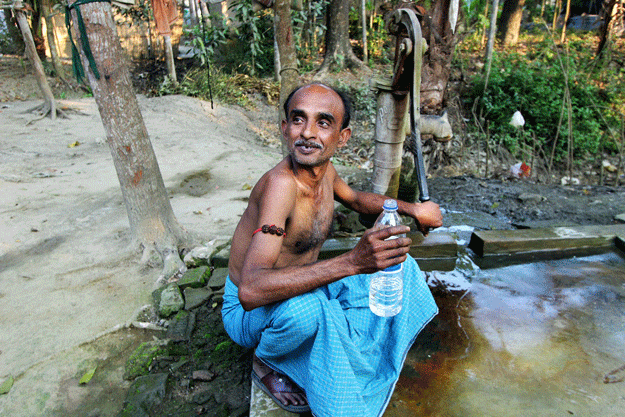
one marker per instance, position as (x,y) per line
(313,127)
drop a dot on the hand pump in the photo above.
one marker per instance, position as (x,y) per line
(407,80)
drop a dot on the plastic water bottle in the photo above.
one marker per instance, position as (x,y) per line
(387,286)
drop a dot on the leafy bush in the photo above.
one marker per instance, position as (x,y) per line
(253,47)
(535,84)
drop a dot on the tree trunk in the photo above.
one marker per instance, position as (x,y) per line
(510,21)
(37,32)
(608,11)
(46,8)
(363,12)
(556,14)
(436,68)
(566,20)
(491,41)
(289,75)
(338,53)
(152,221)
(49,105)
(169,58)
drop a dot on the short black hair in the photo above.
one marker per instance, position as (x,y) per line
(345,98)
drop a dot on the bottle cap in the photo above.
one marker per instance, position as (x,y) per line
(390,204)
(393,268)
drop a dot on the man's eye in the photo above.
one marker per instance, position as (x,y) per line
(324,123)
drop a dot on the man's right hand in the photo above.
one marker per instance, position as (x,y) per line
(374,252)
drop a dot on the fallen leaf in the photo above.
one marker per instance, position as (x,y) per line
(87,376)
(73,144)
(6,385)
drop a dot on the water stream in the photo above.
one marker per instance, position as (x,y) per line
(541,339)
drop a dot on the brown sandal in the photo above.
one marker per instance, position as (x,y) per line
(273,383)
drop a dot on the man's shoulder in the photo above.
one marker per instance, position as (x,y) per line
(278,179)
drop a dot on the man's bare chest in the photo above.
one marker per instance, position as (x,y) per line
(311,222)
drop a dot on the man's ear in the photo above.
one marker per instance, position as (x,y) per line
(344,136)
(283,126)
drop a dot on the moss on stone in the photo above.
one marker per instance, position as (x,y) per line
(139,362)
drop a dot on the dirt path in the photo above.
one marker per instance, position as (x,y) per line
(68,274)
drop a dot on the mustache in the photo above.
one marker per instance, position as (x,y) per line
(308,144)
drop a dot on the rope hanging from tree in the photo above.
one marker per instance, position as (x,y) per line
(79,71)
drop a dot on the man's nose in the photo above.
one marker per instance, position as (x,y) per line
(309,130)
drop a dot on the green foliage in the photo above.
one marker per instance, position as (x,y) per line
(207,41)
(228,88)
(254,39)
(535,84)
(308,33)
(363,100)
(379,42)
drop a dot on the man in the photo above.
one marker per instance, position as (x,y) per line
(309,319)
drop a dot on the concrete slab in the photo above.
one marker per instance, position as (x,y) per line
(546,243)
(619,242)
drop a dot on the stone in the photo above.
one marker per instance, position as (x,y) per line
(195,297)
(172,264)
(203,375)
(526,198)
(194,277)
(220,259)
(133,410)
(218,278)
(198,256)
(138,364)
(171,300)
(218,296)
(181,327)
(147,391)
(620,218)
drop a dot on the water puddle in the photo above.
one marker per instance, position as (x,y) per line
(542,339)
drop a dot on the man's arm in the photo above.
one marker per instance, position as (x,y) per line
(427,215)
(264,281)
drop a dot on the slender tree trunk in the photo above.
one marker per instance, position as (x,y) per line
(483,39)
(37,31)
(510,22)
(491,40)
(338,53)
(152,221)
(363,11)
(193,12)
(556,14)
(566,19)
(206,16)
(289,74)
(169,58)
(49,105)
(46,8)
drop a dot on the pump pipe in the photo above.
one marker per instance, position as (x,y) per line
(407,80)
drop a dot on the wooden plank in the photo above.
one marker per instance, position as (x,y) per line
(554,239)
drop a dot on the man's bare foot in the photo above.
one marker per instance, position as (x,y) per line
(279,386)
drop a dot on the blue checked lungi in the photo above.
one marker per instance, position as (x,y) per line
(328,342)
